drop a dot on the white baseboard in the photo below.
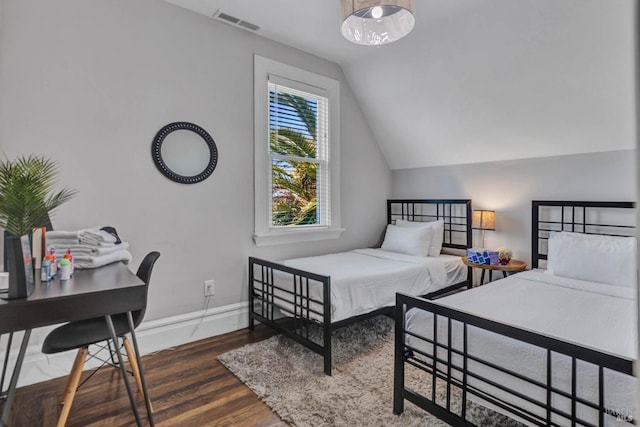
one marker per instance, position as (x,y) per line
(154,335)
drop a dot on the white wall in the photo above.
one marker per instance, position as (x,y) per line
(89,83)
(501,80)
(509,186)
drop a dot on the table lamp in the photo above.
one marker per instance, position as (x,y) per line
(483,220)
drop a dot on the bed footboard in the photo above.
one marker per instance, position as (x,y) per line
(435,369)
(303,297)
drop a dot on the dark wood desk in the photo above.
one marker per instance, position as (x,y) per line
(90,293)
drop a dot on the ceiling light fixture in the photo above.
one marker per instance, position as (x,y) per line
(377,22)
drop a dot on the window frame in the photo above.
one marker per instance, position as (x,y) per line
(264,233)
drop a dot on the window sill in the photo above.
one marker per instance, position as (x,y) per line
(282,237)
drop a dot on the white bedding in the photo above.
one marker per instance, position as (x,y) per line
(590,314)
(364,280)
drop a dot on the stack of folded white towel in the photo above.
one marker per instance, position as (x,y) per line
(90,248)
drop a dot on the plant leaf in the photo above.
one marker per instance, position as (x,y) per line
(26,193)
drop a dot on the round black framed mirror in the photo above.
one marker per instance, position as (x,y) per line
(184,152)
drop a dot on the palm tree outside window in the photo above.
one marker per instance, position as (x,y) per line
(299,154)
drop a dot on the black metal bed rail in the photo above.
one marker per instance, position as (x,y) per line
(456,214)
(454,382)
(274,287)
(269,295)
(457,375)
(574,218)
(424,365)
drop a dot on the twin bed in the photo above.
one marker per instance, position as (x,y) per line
(545,347)
(335,290)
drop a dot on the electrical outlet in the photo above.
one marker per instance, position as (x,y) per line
(209,288)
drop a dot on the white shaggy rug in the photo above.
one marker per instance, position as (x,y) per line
(290,380)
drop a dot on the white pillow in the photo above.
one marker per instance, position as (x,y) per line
(603,259)
(410,241)
(437,233)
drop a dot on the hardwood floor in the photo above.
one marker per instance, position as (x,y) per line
(187,385)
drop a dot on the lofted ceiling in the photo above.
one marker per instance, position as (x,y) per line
(476,80)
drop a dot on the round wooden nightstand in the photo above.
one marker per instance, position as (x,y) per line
(514,266)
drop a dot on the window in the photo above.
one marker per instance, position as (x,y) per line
(296,155)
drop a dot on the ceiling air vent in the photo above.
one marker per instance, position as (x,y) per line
(236,22)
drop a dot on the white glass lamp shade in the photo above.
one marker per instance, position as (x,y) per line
(376,22)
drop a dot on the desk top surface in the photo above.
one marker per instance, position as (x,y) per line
(103,279)
(90,293)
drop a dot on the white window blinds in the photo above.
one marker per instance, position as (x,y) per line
(298,154)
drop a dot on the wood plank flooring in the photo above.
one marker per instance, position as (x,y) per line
(187,385)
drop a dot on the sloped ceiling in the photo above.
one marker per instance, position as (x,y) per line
(477,80)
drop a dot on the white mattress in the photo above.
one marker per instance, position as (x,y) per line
(590,314)
(364,280)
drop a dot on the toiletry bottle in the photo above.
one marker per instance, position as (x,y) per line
(54,261)
(51,262)
(45,272)
(69,256)
(65,269)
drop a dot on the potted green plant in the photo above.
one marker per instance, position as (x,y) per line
(27,198)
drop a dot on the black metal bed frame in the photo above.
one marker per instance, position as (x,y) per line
(302,309)
(574,217)
(453,369)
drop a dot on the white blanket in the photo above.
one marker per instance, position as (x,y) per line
(91,250)
(590,314)
(90,236)
(364,280)
(83,262)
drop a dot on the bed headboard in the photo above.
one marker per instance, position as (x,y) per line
(604,218)
(456,214)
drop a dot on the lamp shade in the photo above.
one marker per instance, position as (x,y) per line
(377,22)
(484,220)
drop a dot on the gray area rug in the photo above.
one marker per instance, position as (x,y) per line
(290,380)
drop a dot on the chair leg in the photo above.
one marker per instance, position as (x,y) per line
(78,360)
(131,355)
(72,385)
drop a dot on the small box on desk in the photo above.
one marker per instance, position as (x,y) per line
(482,256)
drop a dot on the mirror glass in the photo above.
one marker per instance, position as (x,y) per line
(185,152)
